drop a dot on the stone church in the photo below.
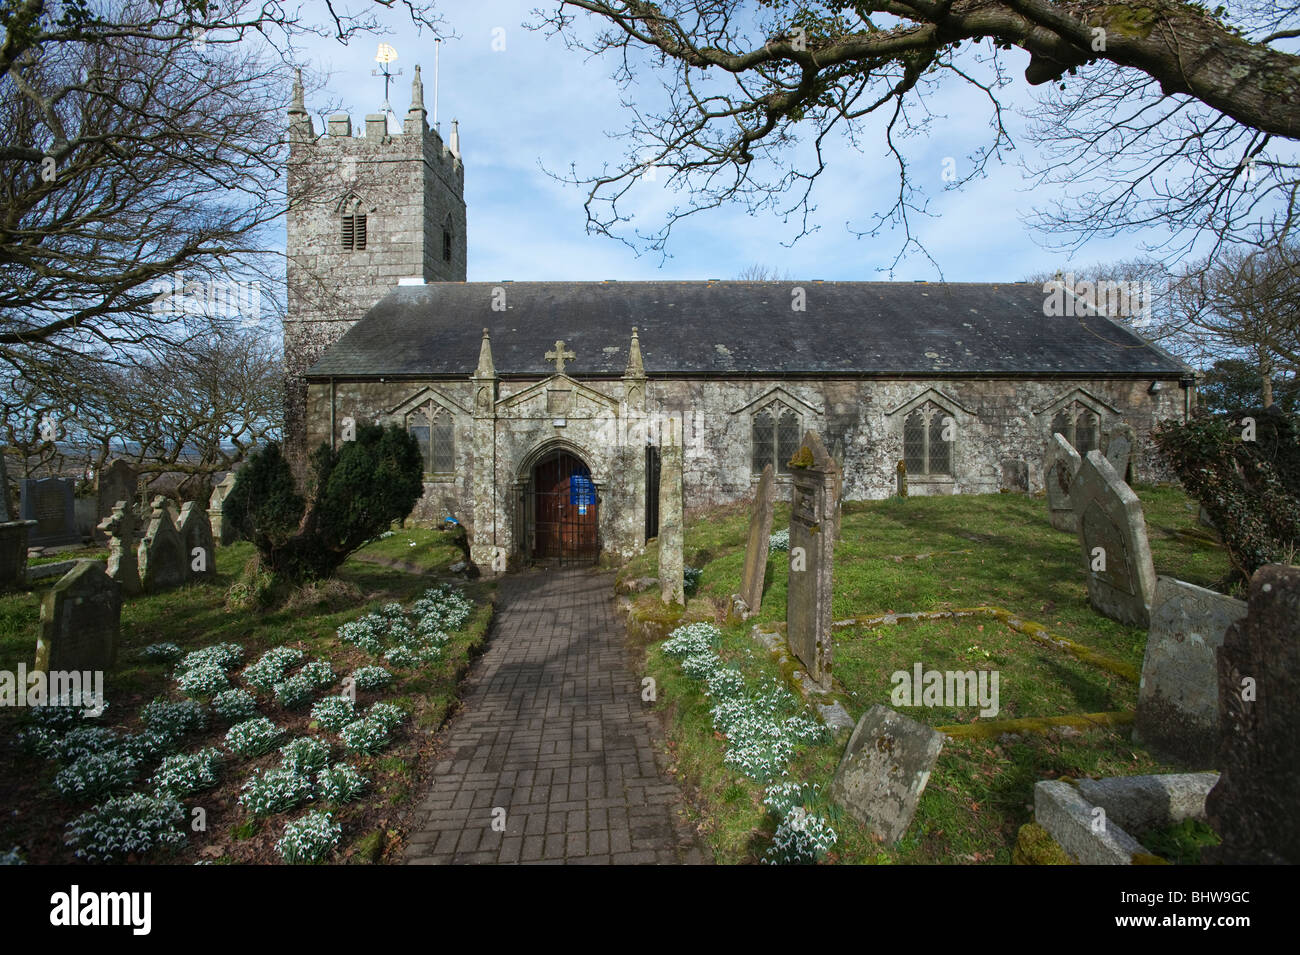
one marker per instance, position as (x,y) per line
(540,407)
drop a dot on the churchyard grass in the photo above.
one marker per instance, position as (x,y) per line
(434,549)
(196,616)
(987,550)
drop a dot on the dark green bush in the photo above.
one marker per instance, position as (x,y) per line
(1250,488)
(356,491)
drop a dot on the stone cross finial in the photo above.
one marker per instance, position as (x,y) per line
(558,355)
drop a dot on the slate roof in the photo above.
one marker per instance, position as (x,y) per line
(690,329)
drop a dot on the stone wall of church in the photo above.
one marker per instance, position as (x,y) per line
(1000,430)
(996,423)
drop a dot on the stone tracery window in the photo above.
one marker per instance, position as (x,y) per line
(433,428)
(447,235)
(928,438)
(1080,425)
(777,432)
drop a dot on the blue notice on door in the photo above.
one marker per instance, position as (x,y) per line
(581,492)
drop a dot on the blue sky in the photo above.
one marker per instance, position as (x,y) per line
(537,105)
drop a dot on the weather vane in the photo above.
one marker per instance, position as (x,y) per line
(385,56)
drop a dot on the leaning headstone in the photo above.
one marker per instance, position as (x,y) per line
(1178,701)
(672,569)
(884,770)
(123,560)
(1118,450)
(49,502)
(1256,802)
(760,532)
(1113,536)
(13,553)
(162,556)
(116,482)
(812,558)
(1059,469)
(200,550)
(222,530)
(80,617)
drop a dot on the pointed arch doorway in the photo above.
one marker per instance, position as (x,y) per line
(561,511)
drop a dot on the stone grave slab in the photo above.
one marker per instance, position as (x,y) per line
(884,770)
(49,502)
(80,618)
(1178,701)
(1059,469)
(1256,802)
(1113,539)
(756,549)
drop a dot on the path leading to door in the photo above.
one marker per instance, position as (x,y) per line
(553,734)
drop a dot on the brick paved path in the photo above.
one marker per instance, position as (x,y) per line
(553,731)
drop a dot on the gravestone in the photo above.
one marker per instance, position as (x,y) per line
(120,527)
(1113,537)
(222,532)
(117,482)
(672,580)
(812,558)
(760,531)
(1059,469)
(884,769)
(1015,475)
(13,553)
(200,551)
(161,554)
(1256,802)
(49,503)
(80,617)
(1119,448)
(1178,701)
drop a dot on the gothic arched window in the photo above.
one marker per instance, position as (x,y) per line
(447,235)
(929,433)
(1079,425)
(776,435)
(434,430)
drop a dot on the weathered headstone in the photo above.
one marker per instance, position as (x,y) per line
(1178,701)
(672,569)
(884,770)
(1256,802)
(80,617)
(1113,536)
(200,551)
(222,531)
(1059,469)
(1119,443)
(49,502)
(116,482)
(760,532)
(13,553)
(1015,475)
(812,558)
(123,566)
(162,556)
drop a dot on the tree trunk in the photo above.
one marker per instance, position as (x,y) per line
(4,485)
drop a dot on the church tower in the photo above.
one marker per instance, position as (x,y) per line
(365,211)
